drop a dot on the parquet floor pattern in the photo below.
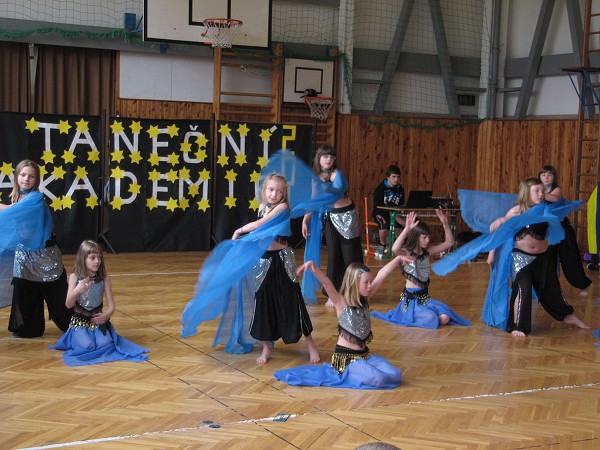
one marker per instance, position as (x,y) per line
(463,388)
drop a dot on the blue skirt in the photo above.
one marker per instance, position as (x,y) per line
(373,373)
(83,346)
(412,312)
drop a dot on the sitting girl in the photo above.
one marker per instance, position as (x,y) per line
(352,366)
(416,308)
(91,339)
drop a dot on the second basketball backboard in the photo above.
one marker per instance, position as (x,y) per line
(181,21)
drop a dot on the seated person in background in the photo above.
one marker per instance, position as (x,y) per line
(389,193)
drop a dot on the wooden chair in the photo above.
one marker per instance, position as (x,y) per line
(369,227)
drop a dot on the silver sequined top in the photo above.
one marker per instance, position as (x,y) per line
(519,261)
(43,265)
(420,268)
(346,223)
(93,297)
(262,266)
(356,321)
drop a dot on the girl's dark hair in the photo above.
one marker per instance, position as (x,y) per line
(324,149)
(553,171)
(412,240)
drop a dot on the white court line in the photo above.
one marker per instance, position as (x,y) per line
(271,419)
(151,273)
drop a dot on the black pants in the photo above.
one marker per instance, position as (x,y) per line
(570,259)
(27,311)
(540,275)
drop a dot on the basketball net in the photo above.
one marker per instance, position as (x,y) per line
(221,32)
(319,106)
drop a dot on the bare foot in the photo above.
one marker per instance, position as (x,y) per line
(329,303)
(583,292)
(518,334)
(313,353)
(572,319)
(444,319)
(265,355)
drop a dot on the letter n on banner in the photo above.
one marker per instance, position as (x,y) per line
(243,149)
(160,173)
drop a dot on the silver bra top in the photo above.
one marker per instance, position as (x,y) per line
(356,321)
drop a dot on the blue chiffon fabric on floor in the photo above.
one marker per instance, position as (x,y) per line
(418,315)
(373,373)
(83,346)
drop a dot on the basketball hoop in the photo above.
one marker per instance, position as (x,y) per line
(319,106)
(221,32)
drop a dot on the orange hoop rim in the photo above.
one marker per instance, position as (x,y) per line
(223,21)
(317,98)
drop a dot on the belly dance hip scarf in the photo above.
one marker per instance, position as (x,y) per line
(420,296)
(343,356)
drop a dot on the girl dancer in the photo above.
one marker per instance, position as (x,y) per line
(91,338)
(342,227)
(352,366)
(38,271)
(416,308)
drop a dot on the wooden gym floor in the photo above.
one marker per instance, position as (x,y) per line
(462,387)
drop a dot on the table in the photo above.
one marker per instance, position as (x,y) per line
(451,213)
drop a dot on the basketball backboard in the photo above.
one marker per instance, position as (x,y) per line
(181,21)
(302,74)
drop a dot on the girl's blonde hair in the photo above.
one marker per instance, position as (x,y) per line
(350,284)
(412,240)
(85,249)
(323,150)
(263,189)
(524,197)
(15,194)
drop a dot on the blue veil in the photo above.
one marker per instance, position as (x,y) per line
(226,282)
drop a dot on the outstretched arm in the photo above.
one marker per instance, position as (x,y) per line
(387,270)
(332,292)
(448,237)
(249,227)
(410,222)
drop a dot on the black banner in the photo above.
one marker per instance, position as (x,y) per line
(159,185)
(67,148)
(243,149)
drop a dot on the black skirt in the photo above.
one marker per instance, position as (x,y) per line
(279,310)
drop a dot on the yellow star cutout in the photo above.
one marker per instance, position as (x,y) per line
(153,131)
(230,202)
(82,125)
(224,130)
(116,203)
(117,156)
(172,130)
(117,173)
(134,188)
(135,157)
(93,156)
(262,161)
(193,190)
(6,169)
(201,155)
(68,156)
(253,204)
(204,175)
(185,147)
(117,127)
(91,202)
(67,202)
(201,141)
(43,171)
(151,203)
(222,160)
(56,204)
(63,126)
(171,204)
(203,205)
(80,172)
(48,156)
(254,176)
(184,203)
(231,176)
(243,130)
(184,173)
(32,125)
(173,159)
(154,175)
(172,176)
(135,127)
(240,159)
(59,173)
(265,135)
(153,159)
